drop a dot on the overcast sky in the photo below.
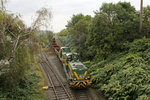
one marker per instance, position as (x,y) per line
(62,10)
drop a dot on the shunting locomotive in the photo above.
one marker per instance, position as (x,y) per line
(76,72)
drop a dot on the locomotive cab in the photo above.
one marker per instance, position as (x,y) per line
(72,57)
(62,53)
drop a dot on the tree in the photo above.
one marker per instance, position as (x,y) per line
(78,31)
(146,21)
(2,4)
(17,54)
(43,19)
(112,25)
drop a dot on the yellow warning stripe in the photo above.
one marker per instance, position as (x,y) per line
(67,64)
(89,82)
(85,73)
(82,85)
(76,75)
(74,83)
(70,69)
(77,83)
(84,82)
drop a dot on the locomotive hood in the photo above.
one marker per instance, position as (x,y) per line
(77,66)
(78,69)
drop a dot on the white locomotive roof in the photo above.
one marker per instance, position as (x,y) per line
(63,47)
(77,65)
(70,54)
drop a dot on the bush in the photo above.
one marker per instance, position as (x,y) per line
(27,89)
(126,77)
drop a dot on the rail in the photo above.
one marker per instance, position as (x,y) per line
(47,65)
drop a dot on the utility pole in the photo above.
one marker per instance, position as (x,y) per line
(141,16)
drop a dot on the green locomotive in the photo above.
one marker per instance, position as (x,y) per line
(77,74)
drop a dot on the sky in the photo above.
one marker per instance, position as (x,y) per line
(62,10)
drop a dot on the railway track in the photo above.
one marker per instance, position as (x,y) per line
(57,89)
(82,94)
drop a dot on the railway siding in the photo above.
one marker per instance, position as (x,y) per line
(57,89)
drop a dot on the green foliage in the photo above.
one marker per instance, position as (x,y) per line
(63,32)
(18,79)
(63,36)
(113,49)
(74,20)
(77,33)
(28,88)
(112,25)
(125,77)
(146,20)
(44,37)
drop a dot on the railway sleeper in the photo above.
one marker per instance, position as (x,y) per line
(55,86)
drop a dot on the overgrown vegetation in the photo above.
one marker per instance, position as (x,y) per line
(127,74)
(20,76)
(44,38)
(116,53)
